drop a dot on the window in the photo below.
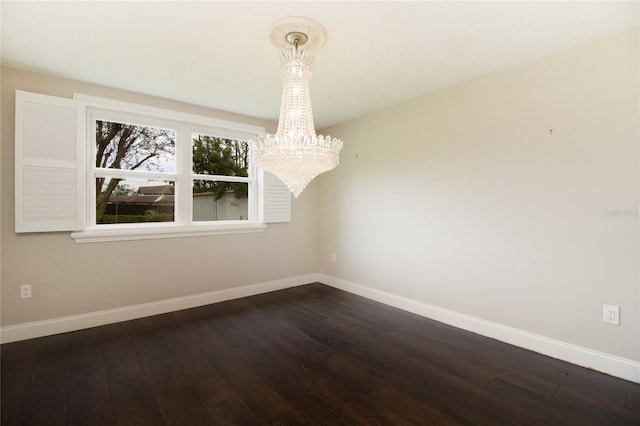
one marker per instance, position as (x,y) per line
(115,171)
(135,170)
(221,182)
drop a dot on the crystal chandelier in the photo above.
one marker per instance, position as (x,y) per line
(295,154)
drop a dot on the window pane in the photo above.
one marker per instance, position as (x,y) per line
(133,147)
(219,201)
(133,201)
(217,156)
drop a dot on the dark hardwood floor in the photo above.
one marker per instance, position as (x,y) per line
(306,355)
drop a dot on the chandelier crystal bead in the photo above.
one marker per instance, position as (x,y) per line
(295,154)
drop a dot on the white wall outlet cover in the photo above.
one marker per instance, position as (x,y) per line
(611,314)
(25,291)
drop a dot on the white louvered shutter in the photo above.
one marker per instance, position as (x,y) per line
(277,200)
(49,175)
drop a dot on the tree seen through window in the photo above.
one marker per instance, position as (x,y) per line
(222,157)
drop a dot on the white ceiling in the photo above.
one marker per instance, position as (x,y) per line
(218,54)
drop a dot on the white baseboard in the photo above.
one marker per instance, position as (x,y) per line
(12,333)
(589,358)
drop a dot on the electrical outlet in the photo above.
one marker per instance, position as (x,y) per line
(611,314)
(333,257)
(25,291)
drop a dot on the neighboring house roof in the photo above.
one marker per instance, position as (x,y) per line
(156,190)
(149,200)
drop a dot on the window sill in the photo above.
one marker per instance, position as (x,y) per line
(158,232)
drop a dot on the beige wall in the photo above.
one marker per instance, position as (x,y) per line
(70,278)
(512,198)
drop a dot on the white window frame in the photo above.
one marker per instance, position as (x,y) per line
(185,125)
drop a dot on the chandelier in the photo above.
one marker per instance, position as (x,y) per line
(295,154)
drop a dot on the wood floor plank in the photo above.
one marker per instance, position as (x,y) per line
(307,398)
(438,357)
(17,367)
(133,403)
(378,354)
(198,369)
(162,372)
(121,358)
(89,393)
(213,390)
(590,411)
(47,395)
(182,407)
(313,378)
(355,371)
(232,412)
(50,412)
(144,337)
(442,358)
(632,405)
(383,393)
(19,346)
(193,363)
(467,404)
(246,383)
(522,400)
(282,376)
(255,326)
